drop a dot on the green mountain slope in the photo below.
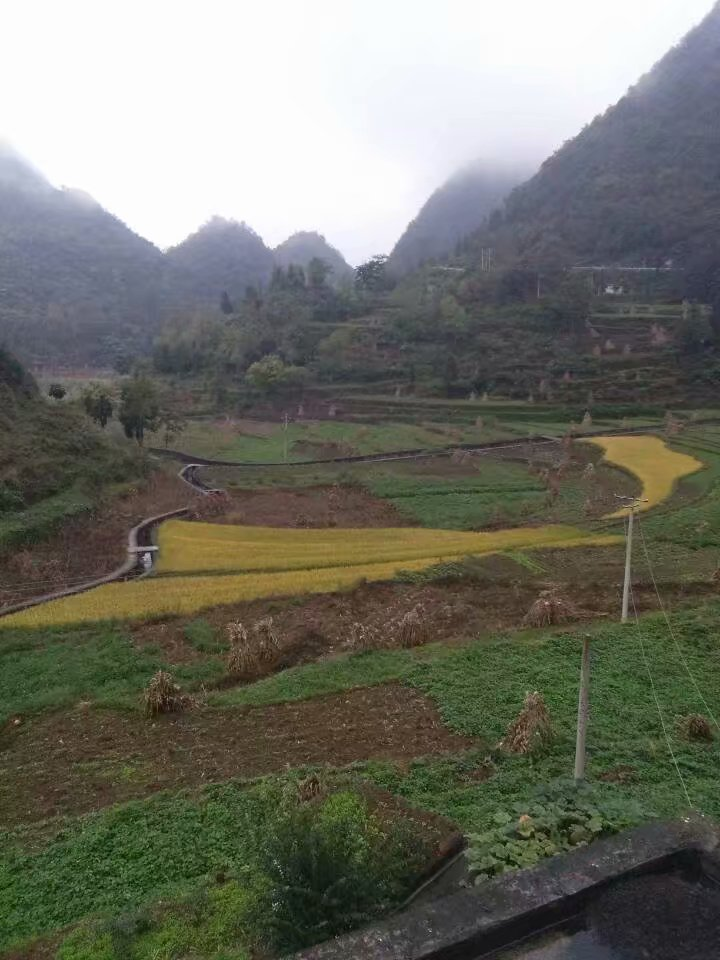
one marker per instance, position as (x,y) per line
(302,247)
(641,182)
(53,463)
(454,210)
(223,255)
(71,274)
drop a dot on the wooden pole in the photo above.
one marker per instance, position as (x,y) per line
(628,562)
(583,710)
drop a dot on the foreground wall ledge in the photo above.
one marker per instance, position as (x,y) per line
(501,911)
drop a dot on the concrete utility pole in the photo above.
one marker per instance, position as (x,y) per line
(583,710)
(285,429)
(632,503)
(628,564)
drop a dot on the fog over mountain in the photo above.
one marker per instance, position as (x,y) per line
(454,210)
(341,118)
(640,183)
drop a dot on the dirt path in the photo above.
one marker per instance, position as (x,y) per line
(74,762)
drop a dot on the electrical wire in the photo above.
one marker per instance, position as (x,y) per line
(31,584)
(657,702)
(670,629)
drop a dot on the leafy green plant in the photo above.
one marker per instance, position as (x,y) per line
(330,868)
(560,818)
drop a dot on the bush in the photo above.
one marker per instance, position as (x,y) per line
(561,817)
(331,866)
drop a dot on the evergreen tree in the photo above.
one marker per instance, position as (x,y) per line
(226,304)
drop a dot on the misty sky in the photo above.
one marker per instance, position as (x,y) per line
(335,115)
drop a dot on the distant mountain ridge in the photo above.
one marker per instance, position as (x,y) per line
(302,247)
(223,255)
(78,286)
(639,183)
(454,210)
(71,274)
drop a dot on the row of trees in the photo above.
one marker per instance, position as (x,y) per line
(142,407)
(271,336)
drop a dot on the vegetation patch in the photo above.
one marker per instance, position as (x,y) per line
(205,547)
(52,668)
(242,865)
(557,819)
(265,547)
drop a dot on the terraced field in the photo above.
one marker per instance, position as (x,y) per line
(203,565)
(651,460)
(247,563)
(136,838)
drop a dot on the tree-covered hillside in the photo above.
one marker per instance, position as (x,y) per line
(73,278)
(641,182)
(53,463)
(302,247)
(222,256)
(457,208)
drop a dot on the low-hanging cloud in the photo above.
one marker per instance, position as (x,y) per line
(336,116)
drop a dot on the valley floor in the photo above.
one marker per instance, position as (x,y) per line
(117,822)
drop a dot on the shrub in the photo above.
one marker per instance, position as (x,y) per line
(560,818)
(331,866)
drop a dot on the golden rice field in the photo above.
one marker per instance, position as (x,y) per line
(275,572)
(650,459)
(213,548)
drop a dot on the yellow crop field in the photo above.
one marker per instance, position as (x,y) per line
(207,547)
(175,594)
(650,459)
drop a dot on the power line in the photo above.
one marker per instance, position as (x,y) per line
(670,629)
(657,702)
(30,585)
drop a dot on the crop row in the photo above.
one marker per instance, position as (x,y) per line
(195,547)
(163,596)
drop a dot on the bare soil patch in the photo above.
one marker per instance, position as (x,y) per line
(320,626)
(79,761)
(327,506)
(88,546)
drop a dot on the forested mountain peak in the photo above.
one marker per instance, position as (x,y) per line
(73,278)
(639,183)
(454,210)
(221,256)
(307,245)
